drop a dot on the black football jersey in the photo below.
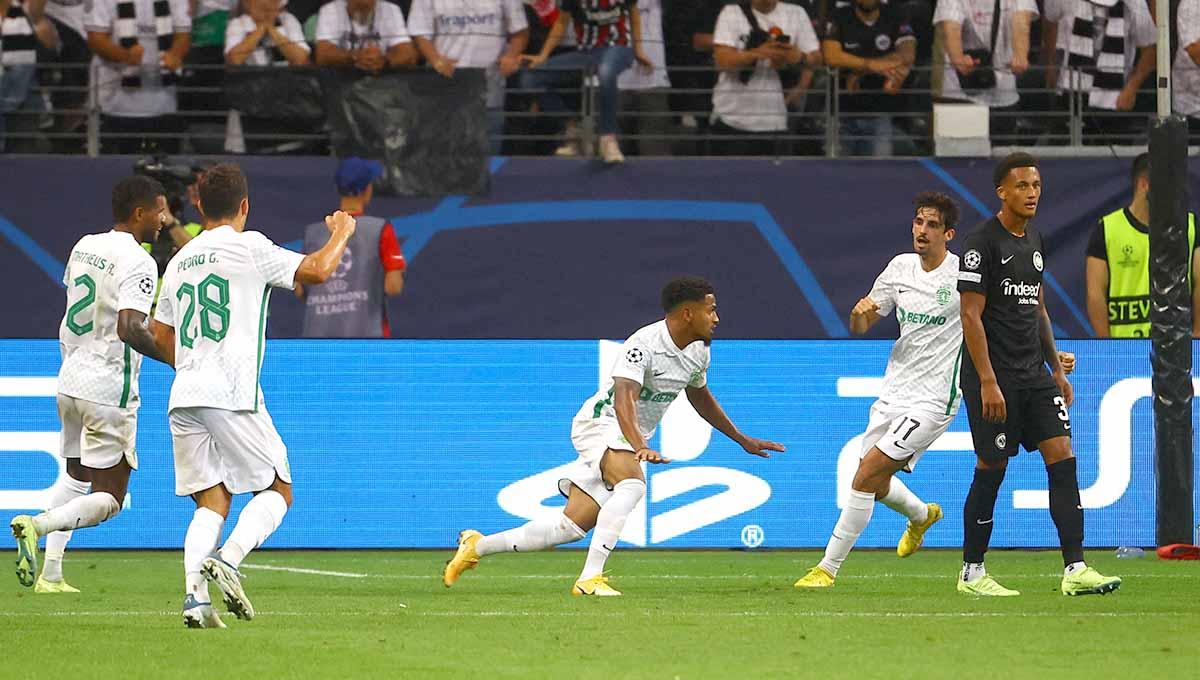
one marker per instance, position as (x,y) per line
(1007,270)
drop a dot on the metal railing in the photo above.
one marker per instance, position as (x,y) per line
(817,123)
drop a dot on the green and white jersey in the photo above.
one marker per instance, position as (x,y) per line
(651,359)
(105,274)
(922,372)
(215,294)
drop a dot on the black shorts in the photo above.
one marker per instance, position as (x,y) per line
(1035,414)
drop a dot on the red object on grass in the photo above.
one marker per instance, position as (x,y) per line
(1179,551)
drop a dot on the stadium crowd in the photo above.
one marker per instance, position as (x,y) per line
(670,76)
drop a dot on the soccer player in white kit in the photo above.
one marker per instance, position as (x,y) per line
(212,310)
(610,432)
(920,388)
(110,281)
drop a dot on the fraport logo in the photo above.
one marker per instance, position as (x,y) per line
(683,436)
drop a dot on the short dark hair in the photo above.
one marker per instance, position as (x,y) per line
(138,191)
(1140,167)
(1011,162)
(942,203)
(685,289)
(222,188)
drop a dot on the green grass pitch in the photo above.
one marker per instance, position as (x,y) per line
(684,615)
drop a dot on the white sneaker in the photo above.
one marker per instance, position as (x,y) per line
(610,151)
(229,580)
(569,149)
(200,614)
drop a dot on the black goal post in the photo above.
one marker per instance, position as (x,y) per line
(1171,330)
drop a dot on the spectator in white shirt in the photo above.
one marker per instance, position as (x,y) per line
(262,35)
(265,35)
(366,34)
(1186,74)
(748,100)
(965,26)
(645,90)
(134,70)
(484,34)
(1103,49)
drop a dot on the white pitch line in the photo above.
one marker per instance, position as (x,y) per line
(592,613)
(299,570)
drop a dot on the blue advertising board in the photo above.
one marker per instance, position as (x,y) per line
(402,444)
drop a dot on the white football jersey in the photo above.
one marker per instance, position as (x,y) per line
(215,294)
(922,372)
(651,359)
(105,274)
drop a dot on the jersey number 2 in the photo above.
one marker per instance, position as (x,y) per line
(213,295)
(84,302)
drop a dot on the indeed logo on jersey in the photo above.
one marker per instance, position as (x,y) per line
(917,318)
(683,436)
(1027,294)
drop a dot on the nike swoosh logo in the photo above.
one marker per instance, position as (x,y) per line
(979,521)
(898,445)
(606,547)
(659,373)
(1078,507)
(1006,259)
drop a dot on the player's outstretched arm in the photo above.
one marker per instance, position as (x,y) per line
(319,266)
(710,410)
(625,396)
(133,331)
(971,306)
(864,315)
(1050,352)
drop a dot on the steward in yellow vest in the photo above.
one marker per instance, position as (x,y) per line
(1118,265)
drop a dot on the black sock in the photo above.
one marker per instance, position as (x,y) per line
(977,513)
(1065,509)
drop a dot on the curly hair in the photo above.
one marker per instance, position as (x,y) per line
(940,202)
(1011,162)
(685,289)
(134,192)
(221,188)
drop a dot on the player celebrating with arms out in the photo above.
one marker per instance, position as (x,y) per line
(611,432)
(1011,399)
(920,389)
(110,287)
(213,311)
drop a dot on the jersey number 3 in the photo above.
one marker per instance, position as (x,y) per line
(213,295)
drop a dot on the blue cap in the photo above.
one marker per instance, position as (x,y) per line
(355,174)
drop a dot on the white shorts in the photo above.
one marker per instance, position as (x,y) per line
(902,435)
(592,437)
(239,449)
(98,435)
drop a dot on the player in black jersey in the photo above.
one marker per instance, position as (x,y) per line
(1011,398)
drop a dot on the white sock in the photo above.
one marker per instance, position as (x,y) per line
(973,571)
(259,519)
(1074,567)
(855,517)
(609,523)
(64,491)
(538,534)
(200,542)
(78,513)
(905,502)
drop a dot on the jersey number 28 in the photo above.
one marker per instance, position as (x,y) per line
(213,295)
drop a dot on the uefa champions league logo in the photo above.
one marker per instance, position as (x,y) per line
(684,436)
